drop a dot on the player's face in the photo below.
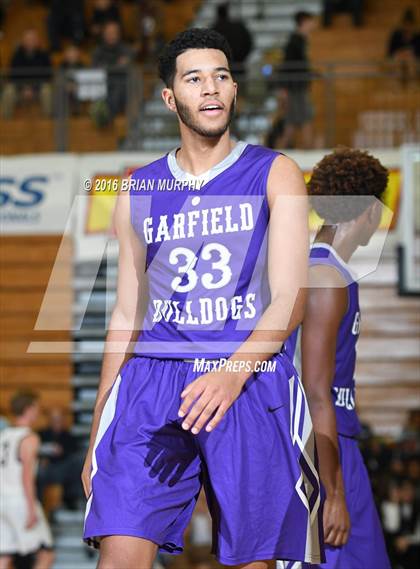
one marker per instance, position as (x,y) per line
(33,412)
(204,93)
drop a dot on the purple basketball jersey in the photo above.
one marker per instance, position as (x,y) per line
(343,387)
(206,253)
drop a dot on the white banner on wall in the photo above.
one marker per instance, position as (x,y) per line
(36,193)
(93,212)
(42,193)
(94,205)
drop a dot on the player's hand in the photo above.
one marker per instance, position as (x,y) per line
(85,476)
(209,397)
(32,518)
(336,520)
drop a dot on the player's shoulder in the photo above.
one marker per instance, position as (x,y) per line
(16,431)
(326,276)
(278,161)
(274,162)
(30,439)
(284,176)
(283,164)
(29,446)
(155,168)
(258,152)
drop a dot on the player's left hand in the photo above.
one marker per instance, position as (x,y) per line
(209,396)
(336,520)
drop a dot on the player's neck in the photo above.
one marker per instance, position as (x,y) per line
(339,239)
(198,154)
(21,422)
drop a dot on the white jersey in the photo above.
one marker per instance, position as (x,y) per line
(14,536)
(11,482)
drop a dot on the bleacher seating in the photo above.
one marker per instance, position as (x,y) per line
(27,132)
(372,90)
(25,269)
(353,93)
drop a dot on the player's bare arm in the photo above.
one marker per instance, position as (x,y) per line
(28,452)
(126,316)
(326,305)
(214,393)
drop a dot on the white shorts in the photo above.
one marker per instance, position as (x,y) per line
(14,537)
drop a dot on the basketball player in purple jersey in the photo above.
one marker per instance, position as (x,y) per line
(223,285)
(326,343)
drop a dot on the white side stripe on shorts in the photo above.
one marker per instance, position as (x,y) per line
(108,413)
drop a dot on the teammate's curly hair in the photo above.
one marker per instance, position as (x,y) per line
(346,172)
(194,38)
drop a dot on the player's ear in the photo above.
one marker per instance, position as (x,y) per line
(169,99)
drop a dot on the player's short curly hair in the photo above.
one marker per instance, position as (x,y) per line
(194,38)
(348,173)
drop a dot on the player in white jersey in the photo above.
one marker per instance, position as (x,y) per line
(23,527)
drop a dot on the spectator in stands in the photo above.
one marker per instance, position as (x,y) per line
(274,136)
(390,514)
(72,61)
(295,83)
(401,519)
(377,457)
(150,39)
(104,11)
(413,424)
(4,6)
(66,19)
(72,58)
(30,74)
(238,37)
(404,46)
(61,462)
(116,56)
(413,473)
(355,7)
(412,430)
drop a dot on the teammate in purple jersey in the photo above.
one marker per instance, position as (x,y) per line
(222,282)
(326,344)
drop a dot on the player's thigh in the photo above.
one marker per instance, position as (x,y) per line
(118,551)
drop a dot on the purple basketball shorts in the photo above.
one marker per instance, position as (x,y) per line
(257,466)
